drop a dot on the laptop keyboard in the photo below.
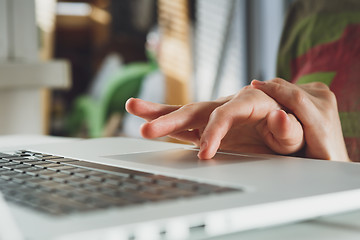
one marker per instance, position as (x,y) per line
(58,185)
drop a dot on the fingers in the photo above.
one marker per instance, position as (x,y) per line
(248,106)
(279,123)
(220,123)
(290,96)
(148,110)
(285,133)
(191,116)
(218,126)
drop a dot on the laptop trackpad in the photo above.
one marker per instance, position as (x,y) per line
(182,158)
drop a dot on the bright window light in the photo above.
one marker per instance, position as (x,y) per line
(73,9)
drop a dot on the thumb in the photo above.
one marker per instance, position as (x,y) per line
(285,133)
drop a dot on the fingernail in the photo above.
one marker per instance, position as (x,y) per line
(143,124)
(257,82)
(127,101)
(203,145)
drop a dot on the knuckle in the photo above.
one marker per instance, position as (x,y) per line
(219,120)
(327,96)
(330,98)
(278,80)
(319,85)
(247,91)
(277,88)
(327,106)
(299,97)
(218,113)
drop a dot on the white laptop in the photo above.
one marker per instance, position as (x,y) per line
(132,189)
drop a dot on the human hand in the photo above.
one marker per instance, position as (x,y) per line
(315,107)
(249,121)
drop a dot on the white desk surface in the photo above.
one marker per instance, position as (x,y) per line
(337,227)
(344,226)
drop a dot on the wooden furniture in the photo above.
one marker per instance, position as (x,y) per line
(175,58)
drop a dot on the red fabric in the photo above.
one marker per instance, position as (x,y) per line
(341,56)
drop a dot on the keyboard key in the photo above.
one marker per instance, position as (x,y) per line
(14,159)
(4,155)
(9,164)
(50,165)
(67,160)
(21,166)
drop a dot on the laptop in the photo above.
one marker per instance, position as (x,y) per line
(134,189)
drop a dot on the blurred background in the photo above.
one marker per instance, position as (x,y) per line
(68,67)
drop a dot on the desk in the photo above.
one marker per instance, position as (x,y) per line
(344,226)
